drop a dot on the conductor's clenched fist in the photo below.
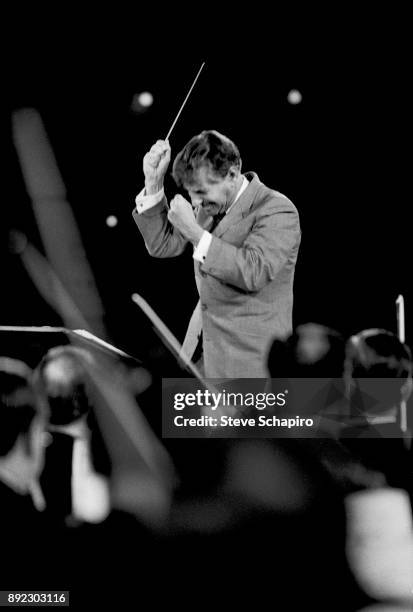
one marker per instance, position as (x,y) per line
(181,215)
(155,165)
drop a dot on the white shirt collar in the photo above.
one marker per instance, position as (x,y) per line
(244,185)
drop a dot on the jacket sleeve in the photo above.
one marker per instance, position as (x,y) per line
(160,236)
(272,241)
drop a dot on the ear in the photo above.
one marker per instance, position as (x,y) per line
(233,173)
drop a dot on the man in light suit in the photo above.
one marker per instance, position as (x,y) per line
(246,239)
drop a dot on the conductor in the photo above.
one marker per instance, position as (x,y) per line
(245,239)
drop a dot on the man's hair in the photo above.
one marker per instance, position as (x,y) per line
(64,376)
(19,402)
(311,351)
(62,373)
(209,149)
(378,353)
(380,357)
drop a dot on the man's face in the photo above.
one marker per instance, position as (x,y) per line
(210,191)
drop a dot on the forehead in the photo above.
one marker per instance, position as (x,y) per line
(203,179)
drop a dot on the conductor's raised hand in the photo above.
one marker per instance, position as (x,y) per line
(155,165)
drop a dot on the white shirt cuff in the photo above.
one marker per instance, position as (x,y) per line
(201,251)
(144,202)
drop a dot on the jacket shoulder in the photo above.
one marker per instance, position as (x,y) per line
(272,200)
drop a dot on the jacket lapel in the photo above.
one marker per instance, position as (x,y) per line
(241,208)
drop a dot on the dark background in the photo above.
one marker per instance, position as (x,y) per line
(340,156)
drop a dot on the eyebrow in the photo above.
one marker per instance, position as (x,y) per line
(209,183)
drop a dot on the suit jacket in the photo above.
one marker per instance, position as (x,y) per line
(33,551)
(56,477)
(246,282)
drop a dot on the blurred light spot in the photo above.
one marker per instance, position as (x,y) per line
(145,98)
(111,221)
(294,97)
(141,101)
